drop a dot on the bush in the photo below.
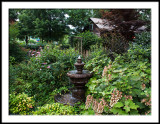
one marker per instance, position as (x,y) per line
(20,104)
(88,39)
(32,41)
(143,39)
(130,74)
(55,109)
(12,60)
(16,51)
(13,31)
(96,64)
(43,74)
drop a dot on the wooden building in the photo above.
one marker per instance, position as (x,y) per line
(98,25)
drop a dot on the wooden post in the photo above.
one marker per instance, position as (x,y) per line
(81,46)
(78,46)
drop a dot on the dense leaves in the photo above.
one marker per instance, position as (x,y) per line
(121,82)
(130,73)
(44,73)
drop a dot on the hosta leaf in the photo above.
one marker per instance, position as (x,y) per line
(118,104)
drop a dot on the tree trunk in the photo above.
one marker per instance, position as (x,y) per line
(26,40)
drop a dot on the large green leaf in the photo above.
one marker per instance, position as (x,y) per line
(115,110)
(118,104)
(133,105)
(118,111)
(127,108)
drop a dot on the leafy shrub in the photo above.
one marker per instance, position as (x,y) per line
(16,51)
(65,46)
(20,104)
(32,41)
(43,74)
(97,63)
(88,39)
(130,73)
(143,39)
(11,60)
(22,43)
(55,109)
(95,51)
(19,85)
(13,31)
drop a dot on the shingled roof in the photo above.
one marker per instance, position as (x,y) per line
(102,23)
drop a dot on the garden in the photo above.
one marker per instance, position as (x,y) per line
(43,49)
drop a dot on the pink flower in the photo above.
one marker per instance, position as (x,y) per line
(40,69)
(109,76)
(48,66)
(104,71)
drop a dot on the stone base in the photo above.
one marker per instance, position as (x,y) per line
(66,99)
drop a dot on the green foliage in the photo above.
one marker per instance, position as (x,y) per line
(145,14)
(80,109)
(78,18)
(35,46)
(130,73)
(19,85)
(20,104)
(16,51)
(126,107)
(97,63)
(32,41)
(89,39)
(48,24)
(55,109)
(13,31)
(35,82)
(143,39)
(11,60)
(41,75)
(13,15)
(22,43)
